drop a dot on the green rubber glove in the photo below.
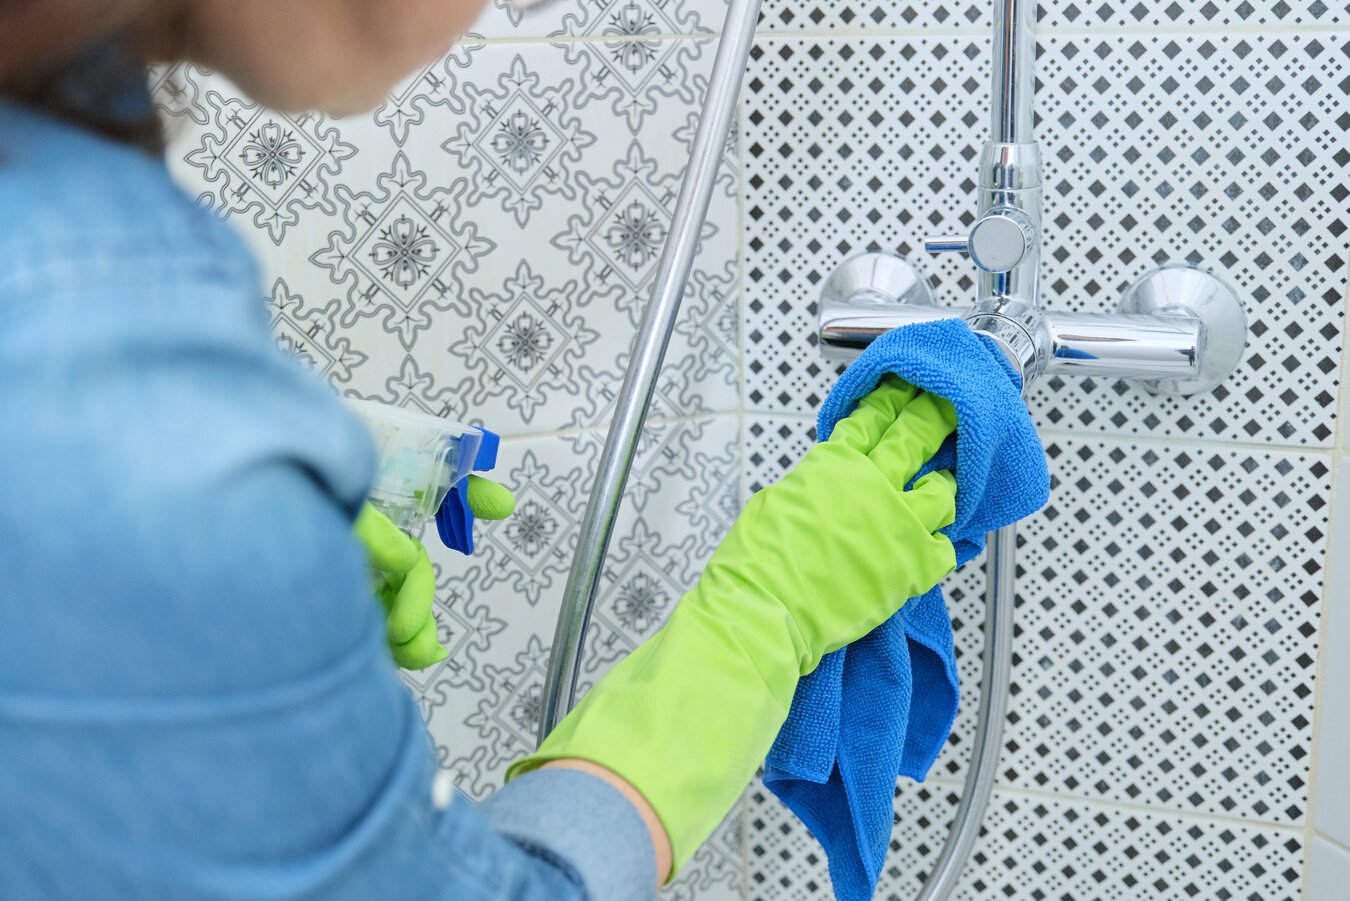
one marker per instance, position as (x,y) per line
(488,499)
(406,583)
(811,564)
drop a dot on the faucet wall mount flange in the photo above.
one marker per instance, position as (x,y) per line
(1182,290)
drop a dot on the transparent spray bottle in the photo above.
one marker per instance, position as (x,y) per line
(420,458)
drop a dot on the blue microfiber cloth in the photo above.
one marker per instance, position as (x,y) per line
(884,705)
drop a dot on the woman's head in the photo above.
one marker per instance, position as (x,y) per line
(339,56)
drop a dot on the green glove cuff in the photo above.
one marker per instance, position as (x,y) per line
(685,719)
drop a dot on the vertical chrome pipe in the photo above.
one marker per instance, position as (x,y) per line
(995,687)
(649,348)
(1014,61)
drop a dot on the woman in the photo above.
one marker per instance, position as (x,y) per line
(196,700)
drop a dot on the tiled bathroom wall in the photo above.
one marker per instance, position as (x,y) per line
(482,245)
(1168,734)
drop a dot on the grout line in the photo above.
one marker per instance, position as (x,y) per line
(1157,810)
(743,883)
(1184,441)
(1333,451)
(1334,524)
(1335,843)
(983,31)
(742,457)
(1147,809)
(909,32)
(563,39)
(581,431)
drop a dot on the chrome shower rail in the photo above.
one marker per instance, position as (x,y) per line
(649,348)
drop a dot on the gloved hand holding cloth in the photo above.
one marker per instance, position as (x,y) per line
(811,564)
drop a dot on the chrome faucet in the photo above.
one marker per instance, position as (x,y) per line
(1179,329)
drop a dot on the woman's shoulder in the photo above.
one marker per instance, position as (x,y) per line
(69,196)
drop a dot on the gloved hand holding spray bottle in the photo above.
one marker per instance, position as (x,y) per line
(423,471)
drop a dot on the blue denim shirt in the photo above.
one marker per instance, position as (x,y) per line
(195,696)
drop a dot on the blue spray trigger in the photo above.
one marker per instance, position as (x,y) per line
(454,519)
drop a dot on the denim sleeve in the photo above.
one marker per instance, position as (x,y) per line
(196,701)
(579,823)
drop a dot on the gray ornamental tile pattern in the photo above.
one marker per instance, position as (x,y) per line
(519,139)
(422,239)
(267,166)
(438,83)
(613,22)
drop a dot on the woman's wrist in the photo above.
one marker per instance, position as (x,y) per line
(660,838)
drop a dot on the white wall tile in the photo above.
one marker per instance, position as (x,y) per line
(1328,871)
(482,245)
(1331,779)
(975,16)
(1035,848)
(1224,150)
(608,22)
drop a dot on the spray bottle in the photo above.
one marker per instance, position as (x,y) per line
(423,467)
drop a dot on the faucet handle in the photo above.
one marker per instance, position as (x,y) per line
(998,241)
(1001,239)
(947,244)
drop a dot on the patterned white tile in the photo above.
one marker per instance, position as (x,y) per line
(311,334)
(497,609)
(671,520)
(972,16)
(1226,150)
(1169,603)
(1168,599)
(437,84)
(480,246)
(1038,848)
(482,703)
(616,23)
(268,166)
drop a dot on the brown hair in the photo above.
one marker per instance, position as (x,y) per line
(46,60)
